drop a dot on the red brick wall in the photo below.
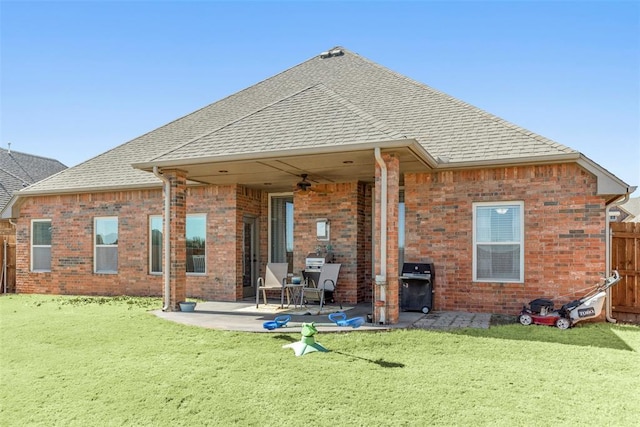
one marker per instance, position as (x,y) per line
(347,207)
(219,204)
(564,224)
(72,236)
(564,236)
(225,207)
(72,243)
(177,224)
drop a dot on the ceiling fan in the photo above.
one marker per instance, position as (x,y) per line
(304,184)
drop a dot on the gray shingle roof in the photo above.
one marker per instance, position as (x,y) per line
(19,170)
(344,99)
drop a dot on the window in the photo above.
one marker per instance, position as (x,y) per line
(41,245)
(498,243)
(196,239)
(281,229)
(106,245)
(155,244)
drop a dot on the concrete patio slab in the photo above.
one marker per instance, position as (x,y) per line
(242,316)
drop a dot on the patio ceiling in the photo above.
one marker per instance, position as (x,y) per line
(279,172)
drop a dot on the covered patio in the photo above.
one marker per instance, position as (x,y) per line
(363,177)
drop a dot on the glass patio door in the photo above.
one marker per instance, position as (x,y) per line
(281,229)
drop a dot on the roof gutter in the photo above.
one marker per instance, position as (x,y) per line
(166,239)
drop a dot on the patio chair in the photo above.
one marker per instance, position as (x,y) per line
(274,278)
(326,283)
(198,264)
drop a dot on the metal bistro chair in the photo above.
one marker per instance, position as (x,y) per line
(274,278)
(326,283)
(198,264)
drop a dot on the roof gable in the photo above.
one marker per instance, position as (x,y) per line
(317,117)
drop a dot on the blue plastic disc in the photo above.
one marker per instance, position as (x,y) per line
(270,325)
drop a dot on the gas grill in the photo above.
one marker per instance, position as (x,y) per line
(417,286)
(313,265)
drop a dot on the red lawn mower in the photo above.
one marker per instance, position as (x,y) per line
(541,312)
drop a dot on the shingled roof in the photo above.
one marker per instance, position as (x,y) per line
(336,98)
(19,170)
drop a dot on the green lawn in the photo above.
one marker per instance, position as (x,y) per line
(108,362)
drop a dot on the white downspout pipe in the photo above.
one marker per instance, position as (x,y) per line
(4,267)
(381,279)
(166,239)
(607,254)
(4,260)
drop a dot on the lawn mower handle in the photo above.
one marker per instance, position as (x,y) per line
(610,281)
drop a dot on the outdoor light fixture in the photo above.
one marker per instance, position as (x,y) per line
(322,229)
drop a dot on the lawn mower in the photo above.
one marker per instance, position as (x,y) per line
(541,312)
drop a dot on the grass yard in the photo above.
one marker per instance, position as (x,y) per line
(69,361)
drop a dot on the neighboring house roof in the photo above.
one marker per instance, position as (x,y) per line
(19,170)
(327,102)
(632,208)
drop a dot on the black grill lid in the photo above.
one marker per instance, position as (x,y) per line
(417,268)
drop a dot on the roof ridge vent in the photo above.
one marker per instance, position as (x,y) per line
(333,52)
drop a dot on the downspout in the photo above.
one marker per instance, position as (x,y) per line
(381,279)
(4,267)
(4,260)
(607,252)
(166,240)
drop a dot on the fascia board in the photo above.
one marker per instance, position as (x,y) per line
(177,163)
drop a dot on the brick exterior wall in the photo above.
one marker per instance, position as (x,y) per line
(177,225)
(72,243)
(348,208)
(564,236)
(564,225)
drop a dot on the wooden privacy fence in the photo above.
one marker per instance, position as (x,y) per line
(7,235)
(625,257)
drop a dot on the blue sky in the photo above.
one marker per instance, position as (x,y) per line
(79,78)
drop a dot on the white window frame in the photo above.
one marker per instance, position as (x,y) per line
(195,215)
(520,242)
(34,246)
(96,245)
(151,218)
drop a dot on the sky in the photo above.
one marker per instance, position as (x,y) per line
(78,78)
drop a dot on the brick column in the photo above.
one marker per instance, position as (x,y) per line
(386,301)
(177,222)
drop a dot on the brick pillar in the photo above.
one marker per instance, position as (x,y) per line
(386,298)
(177,221)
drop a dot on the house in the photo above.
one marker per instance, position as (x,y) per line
(396,169)
(629,211)
(17,171)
